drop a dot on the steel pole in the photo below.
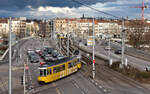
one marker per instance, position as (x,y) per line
(51,26)
(10,71)
(93,49)
(60,44)
(109,50)
(24,77)
(122,54)
(68,46)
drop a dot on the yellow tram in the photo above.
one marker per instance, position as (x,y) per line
(57,69)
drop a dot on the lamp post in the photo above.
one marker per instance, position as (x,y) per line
(123,44)
(10,71)
(93,50)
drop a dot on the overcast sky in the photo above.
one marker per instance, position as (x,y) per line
(44,9)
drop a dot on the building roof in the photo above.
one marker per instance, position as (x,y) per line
(3,20)
(88,21)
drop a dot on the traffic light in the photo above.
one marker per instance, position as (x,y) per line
(22,80)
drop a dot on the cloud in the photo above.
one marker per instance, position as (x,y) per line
(67,8)
(21,4)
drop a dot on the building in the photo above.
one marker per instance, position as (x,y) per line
(4,27)
(19,27)
(32,28)
(44,28)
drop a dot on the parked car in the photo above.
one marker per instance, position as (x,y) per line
(76,52)
(47,57)
(60,57)
(44,53)
(37,50)
(50,50)
(118,51)
(107,48)
(34,59)
(55,54)
(30,51)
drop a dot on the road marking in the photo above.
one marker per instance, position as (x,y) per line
(57,90)
(100,86)
(76,85)
(96,83)
(92,81)
(83,92)
(4,83)
(105,90)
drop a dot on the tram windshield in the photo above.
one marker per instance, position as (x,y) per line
(43,72)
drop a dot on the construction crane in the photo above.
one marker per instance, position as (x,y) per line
(142,7)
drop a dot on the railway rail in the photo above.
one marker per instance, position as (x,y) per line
(109,74)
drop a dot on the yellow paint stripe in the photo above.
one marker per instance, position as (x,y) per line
(57,90)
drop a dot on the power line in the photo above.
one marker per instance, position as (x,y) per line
(97,9)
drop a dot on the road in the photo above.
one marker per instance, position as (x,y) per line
(110,81)
(100,50)
(132,60)
(73,84)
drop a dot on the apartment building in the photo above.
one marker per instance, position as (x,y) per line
(4,27)
(19,27)
(44,28)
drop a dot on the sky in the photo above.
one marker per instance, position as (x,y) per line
(45,9)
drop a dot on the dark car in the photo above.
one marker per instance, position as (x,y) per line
(44,53)
(47,58)
(34,59)
(118,51)
(55,54)
(50,50)
(76,52)
(32,54)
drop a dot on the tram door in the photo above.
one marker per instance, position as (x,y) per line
(50,76)
(62,70)
(55,73)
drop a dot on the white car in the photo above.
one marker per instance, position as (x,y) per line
(60,57)
(30,51)
(147,68)
(37,50)
(107,48)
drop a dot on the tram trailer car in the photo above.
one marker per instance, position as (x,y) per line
(52,71)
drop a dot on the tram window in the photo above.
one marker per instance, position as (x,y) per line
(45,72)
(54,69)
(74,63)
(49,71)
(58,69)
(70,65)
(62,67)
(41,72)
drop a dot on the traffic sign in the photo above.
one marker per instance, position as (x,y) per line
(26,66)
(94,61)
(41,63)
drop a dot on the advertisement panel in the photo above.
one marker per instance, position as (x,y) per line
(90,40)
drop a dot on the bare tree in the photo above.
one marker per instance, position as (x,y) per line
(138,34)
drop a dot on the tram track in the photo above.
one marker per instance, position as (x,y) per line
(104,74)
(111,75)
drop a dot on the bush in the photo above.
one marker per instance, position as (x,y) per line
(144,75)
(3,48)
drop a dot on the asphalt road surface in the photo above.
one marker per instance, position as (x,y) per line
(73,84)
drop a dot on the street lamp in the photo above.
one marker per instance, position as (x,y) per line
(10,71)
(123,47)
